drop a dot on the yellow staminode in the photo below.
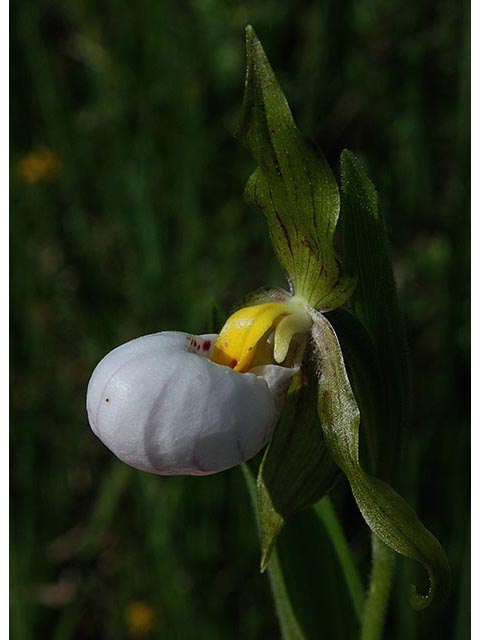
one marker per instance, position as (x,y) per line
(245,334)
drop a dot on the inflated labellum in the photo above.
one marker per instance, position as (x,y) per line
(162,405)
(387,514)
(173,403)
(293,186)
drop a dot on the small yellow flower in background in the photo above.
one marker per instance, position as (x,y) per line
(140,619)
(39,164)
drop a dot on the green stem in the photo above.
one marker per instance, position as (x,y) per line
(289,625)
(326,512)
(383,568)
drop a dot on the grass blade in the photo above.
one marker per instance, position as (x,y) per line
(326,513)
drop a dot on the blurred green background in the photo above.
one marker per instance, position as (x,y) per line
(127,218)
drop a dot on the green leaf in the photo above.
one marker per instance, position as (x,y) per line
(289,624)
(375,302)
(314,578)
(297,469)
(293,186)
(385,512)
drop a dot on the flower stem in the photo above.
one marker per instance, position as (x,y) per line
(383,568)
(289,625)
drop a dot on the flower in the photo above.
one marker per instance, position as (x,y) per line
(39,164)
(173,403)
(140,618)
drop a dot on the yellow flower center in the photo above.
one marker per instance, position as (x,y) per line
(260,334)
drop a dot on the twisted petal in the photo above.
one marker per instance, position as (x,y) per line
(385,512)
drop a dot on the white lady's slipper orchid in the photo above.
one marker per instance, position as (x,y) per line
(173,403)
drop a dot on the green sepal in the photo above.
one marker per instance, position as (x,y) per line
(297,469)
(385,512)
(293,186)
(375,302)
